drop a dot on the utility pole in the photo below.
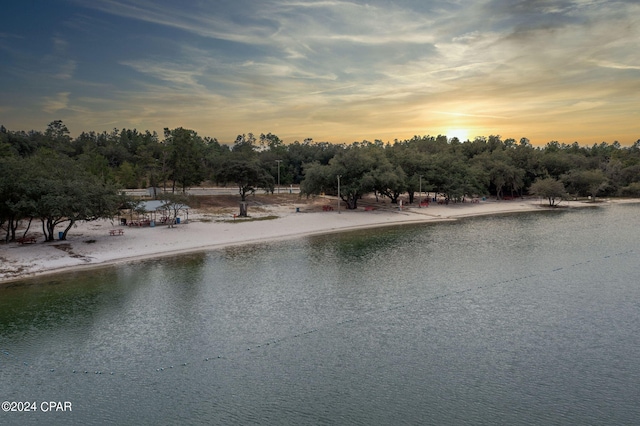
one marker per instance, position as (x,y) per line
(420,196)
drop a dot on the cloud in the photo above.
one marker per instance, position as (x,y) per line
(606,64)
(183,75)
(57,63)
(360,68)
(66,70)
(52,105)
(204,19)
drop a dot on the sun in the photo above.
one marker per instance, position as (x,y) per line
(461,134)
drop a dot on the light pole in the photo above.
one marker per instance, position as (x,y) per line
(339,176)
(420,195)
(278,161)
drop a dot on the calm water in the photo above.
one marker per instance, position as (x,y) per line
(523,319)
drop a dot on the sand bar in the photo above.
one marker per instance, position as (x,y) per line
(91,244)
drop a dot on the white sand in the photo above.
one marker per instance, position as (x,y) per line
(206,232)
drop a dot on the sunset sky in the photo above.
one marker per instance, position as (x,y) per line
(337,71)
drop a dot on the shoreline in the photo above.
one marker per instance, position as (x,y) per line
(89,245)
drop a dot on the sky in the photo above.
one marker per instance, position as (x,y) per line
(330,70)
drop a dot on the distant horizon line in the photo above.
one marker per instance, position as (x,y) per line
(302,140)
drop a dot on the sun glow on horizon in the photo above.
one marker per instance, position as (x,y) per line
(461,134)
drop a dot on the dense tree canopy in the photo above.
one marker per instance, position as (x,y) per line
(353,167)
(56,178)
(55,189)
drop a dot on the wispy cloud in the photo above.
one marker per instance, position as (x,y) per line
(202,19)
(52,105)
(178,74)
(344,70)
(617,66)
(57,62)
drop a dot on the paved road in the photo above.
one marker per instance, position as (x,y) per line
(215,191)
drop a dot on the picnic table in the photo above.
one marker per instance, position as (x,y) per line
(327,208)
(116,232)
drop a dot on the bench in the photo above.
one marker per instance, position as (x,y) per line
(26,240)
(327,208)
(116,232)
(368,208)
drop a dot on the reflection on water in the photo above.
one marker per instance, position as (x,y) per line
(512,320)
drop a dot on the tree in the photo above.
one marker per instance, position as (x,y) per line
(301,154)
(57,137)
(527,159)
(175,203)
(353,165)
(15,204)
(245,144)
(386,178)
(272,142)
(556,163)
(62,192)
(498,170)
(186,157)
(416,165)
(585,182)
(248,174)
(549,188)
(454,177)
(632,190)
(128,175)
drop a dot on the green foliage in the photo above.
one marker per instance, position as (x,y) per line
(64,192)
(15,204)
(54,188)
(632,190)
(352,165)
(185,157)
(455,169)
(498,171)
(551,189)
(58,137)
(247,174)
(175,203)
(585,182)
(127,176)
(385,177)
(245,144)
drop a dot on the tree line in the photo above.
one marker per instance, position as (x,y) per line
(59,179)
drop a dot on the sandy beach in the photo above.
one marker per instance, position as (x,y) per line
(90,244)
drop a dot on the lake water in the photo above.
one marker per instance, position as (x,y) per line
(514,320)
